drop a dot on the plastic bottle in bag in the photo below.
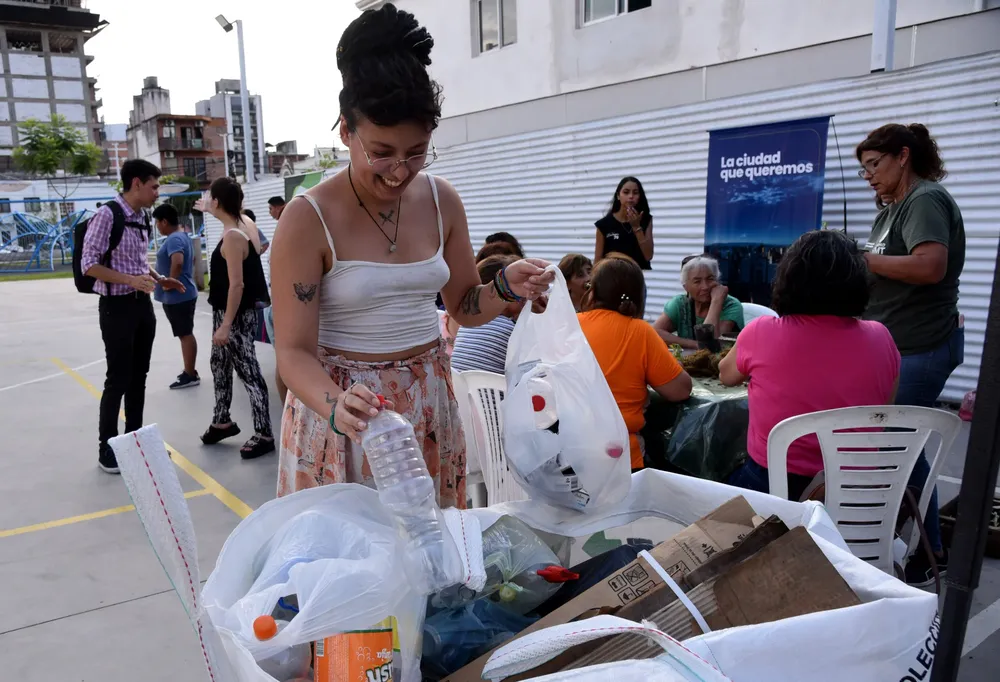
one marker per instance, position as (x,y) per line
(406,488)
(294,663)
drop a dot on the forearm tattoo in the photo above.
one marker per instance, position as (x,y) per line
(305,292)
(471,302)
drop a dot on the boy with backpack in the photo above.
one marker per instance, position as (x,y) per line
(111,260)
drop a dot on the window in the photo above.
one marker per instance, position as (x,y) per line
(596,10)
(66,207)
(4,205)
(169,130)
(63,43)
(25,41)
(33,204)
(168,155)
(496,23)
(195,168)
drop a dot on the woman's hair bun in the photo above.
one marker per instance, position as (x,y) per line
(381,32)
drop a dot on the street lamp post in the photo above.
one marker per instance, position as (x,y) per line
(248,164)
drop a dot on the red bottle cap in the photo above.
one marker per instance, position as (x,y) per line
(615,451)
(381,400)
(558,574)
(538,402)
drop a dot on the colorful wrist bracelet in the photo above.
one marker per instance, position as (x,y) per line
(503,288)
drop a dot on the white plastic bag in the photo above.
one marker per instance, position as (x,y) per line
(890,636)
(335,547)
(573,453)
(675,664)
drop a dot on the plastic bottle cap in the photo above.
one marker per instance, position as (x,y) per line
(538,402)
(265,628)
(381,400)
(615,451)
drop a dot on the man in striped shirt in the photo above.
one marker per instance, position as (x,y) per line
(128,324)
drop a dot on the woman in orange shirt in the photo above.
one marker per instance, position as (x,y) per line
(630,352)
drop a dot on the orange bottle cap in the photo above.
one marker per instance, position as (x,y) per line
(265,628)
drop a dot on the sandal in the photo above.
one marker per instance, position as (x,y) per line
(214,434)
(256,447)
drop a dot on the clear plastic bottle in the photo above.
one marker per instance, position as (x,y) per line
(406,488)
(294,663)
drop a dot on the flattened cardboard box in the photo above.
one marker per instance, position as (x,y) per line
(681,554)
(788,577)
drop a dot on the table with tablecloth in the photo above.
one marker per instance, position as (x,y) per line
(704,436)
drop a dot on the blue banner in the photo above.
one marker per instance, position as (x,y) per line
(765,188)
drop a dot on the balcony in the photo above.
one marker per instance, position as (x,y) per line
(192,144)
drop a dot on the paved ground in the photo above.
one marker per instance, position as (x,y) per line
(78,573)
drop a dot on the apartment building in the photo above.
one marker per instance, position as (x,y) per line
(226,104)
(45,68)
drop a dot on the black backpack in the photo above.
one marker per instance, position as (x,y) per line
(85,284)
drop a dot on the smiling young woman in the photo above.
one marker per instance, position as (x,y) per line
(357,264)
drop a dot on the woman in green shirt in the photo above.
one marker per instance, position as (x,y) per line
(915,253)
(706,301)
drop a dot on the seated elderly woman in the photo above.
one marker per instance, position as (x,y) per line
(705,301)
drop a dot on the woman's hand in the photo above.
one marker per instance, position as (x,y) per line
(352,410)
(634,218)
(528,277)
(221,335)
(719,293)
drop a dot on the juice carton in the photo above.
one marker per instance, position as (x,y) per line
(359,656)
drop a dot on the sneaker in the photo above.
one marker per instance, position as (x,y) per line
(919,572)
(107,461)
(185,380)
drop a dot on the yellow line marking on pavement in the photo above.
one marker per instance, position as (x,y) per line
(87,517)
(238,506)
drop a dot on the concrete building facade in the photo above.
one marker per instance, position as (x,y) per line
(181,145)
(226,104)
(45,68)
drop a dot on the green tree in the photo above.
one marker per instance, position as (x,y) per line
(50,147)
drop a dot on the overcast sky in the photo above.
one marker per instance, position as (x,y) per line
(289,53)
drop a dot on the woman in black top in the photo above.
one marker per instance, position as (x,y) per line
(236,286)
(628,226)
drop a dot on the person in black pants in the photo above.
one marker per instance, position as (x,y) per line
(236,287)
(124,281)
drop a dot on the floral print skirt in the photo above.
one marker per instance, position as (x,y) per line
(311,454)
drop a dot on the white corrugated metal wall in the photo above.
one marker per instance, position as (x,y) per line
(549,187)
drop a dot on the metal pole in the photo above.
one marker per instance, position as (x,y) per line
(883,35)
(245,104)
(975,499)
(225,150)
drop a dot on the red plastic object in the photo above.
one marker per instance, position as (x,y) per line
(558,574)
(968,406)
(614,452)
(538,402)
(381,400)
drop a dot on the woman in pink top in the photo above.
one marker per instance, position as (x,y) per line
(816,356)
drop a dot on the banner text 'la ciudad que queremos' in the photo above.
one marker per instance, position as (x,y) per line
(765,188)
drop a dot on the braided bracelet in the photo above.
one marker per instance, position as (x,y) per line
(503,288)
(333,416)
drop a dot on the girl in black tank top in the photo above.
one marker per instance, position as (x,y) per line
(235,323)
(627,228)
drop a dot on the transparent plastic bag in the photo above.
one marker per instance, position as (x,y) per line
(564,436)
(513,554)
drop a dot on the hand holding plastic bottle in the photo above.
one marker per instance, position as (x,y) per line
(353,408)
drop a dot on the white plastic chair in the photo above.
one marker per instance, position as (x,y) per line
(486,391)
(866,471)
(752,311)
(475,481)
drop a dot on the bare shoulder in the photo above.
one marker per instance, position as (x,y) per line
(300,222)
(447,193)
